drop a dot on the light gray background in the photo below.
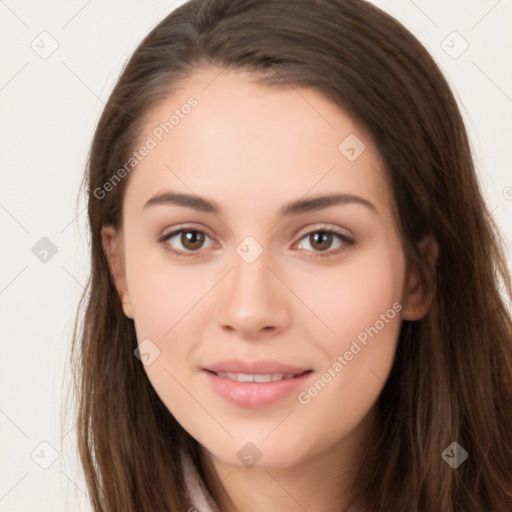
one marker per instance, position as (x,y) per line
(49,106)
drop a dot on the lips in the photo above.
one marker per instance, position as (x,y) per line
(263,367)
(252,384)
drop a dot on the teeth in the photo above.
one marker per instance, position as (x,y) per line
(246,377)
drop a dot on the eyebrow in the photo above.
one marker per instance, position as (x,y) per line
(292,208)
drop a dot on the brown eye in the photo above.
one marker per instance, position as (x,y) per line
(185,241)
(192,240)
(321,240)
(322,243)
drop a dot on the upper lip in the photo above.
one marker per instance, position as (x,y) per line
(262,367)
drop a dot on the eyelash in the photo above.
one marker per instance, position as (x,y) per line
(346,242)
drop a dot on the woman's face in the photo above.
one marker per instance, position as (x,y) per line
(271,334)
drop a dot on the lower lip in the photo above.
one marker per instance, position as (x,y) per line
(255,394)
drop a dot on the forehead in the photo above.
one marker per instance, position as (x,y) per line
(242,140)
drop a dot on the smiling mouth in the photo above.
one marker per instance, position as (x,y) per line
(250,377)
(256,390)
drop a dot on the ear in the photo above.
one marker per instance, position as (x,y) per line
(113,248)
(418,293)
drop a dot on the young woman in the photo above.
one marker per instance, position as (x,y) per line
(294,298)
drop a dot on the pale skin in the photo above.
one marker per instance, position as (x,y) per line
(251,149)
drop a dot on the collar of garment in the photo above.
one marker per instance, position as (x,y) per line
(199,495)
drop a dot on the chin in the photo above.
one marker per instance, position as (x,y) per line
(259,454)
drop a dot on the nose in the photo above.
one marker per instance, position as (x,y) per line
(253,302)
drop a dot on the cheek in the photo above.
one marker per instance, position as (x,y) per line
(357,367)
(164,299)
(362,307)
(168,309)
(161,294)
(362,295)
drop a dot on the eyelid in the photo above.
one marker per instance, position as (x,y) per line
(322,226)
(186,227)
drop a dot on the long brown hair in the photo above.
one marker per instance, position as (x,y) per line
(452,376)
